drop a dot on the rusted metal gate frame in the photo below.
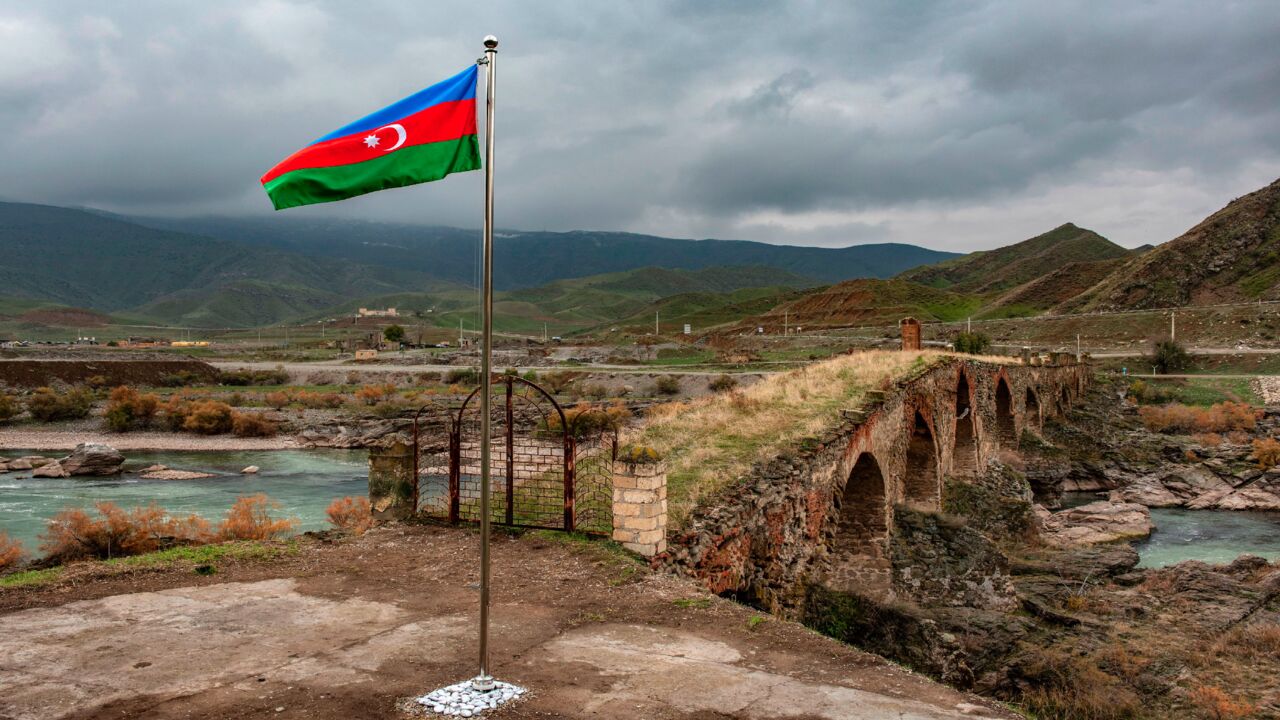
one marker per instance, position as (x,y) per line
(570,451)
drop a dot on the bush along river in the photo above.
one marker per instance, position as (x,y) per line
(304,482)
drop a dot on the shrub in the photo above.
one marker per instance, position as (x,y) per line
(1065,686)
(639,454)
(1222,417)
(1252,641)
(47,404)
(351,513)
(10,551)
(1209,440)
(173,413)
(586,420)
(96,382)
(208,417)
(392,407)
(374,394)
(74,534)
(393,333)
(596,391)
(1215,704)
(317,400)
(1168,356)
(1267,452)
(8,407)
(181,378)
(252,425)
(559,381)
(127,409)
(250,519)
(667,385)
(276,399)
(462,376)
(971,342)
(722,383)
(531,376)
(244,377)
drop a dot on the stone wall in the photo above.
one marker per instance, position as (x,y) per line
(777,529)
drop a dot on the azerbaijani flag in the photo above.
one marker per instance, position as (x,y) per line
(421,138)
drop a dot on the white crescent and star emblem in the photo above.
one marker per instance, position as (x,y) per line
(372,140)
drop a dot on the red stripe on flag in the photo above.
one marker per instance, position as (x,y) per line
(445,121)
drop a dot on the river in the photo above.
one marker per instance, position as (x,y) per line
(1212,536)
(304,482)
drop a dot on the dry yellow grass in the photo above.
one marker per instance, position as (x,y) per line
(713,441)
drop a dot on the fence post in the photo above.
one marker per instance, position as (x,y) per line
(391,482)
(570,470)
(640,506)
(455,469)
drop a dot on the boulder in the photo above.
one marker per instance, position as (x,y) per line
(93,459)
(251,470)
(153,468)
(176,475)
(1097,522)
(20,464)
(50,470)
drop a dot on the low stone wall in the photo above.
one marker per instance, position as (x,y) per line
(766,537)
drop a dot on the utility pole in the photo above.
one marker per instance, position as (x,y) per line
(968,325)
(1077,347)
(1173,326)
(655,322)
(786,316)
(544,332)
(459,332)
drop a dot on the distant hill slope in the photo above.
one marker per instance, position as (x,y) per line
(525,259)
(1232,256)
(1049,291)
(859,302)
(1010,266)
(79,258)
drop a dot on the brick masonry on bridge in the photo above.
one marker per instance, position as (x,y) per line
(822,512)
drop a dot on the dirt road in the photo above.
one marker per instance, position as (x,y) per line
(306,367)
(351,629)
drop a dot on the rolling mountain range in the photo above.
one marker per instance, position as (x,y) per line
(239,272)
(248,272)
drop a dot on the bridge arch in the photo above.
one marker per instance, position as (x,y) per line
(1006,428)
(920,474)
(1064,400)
(964,451)
(864,518)
(1031,409)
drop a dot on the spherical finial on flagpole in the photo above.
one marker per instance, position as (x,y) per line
(490,42)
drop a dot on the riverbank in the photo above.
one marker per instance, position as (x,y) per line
(352,628)
(23,439)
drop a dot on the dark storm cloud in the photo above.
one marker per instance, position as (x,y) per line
(790,122)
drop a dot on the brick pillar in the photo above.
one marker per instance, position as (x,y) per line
(640,506)
(391,482)
(910,333)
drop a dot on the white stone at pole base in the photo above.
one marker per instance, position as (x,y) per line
(463,700)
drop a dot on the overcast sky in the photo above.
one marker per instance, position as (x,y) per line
(955,125)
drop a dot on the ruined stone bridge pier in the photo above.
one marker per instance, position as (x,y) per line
(823,512)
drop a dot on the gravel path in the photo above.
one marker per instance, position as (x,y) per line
(68,439)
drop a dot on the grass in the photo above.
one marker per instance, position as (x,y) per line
(202,557)
(713,441)
(27,578)
(1204,392)
(692,603)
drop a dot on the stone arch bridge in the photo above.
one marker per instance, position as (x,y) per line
(823,513)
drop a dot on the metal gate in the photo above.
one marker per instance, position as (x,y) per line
(548,468)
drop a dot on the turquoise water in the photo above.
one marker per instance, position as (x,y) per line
(1212,536)
(304,482)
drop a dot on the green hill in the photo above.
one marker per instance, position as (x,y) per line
(524,259)
(1232,256)
(997,270)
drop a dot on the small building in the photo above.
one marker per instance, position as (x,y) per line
(910,333)
(370,312)
(366,354)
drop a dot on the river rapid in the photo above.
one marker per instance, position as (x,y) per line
(304,482)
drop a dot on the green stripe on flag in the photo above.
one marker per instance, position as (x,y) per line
(407,166)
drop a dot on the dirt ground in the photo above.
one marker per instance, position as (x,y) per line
(351,628)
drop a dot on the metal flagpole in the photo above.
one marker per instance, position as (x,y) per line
(484,681)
